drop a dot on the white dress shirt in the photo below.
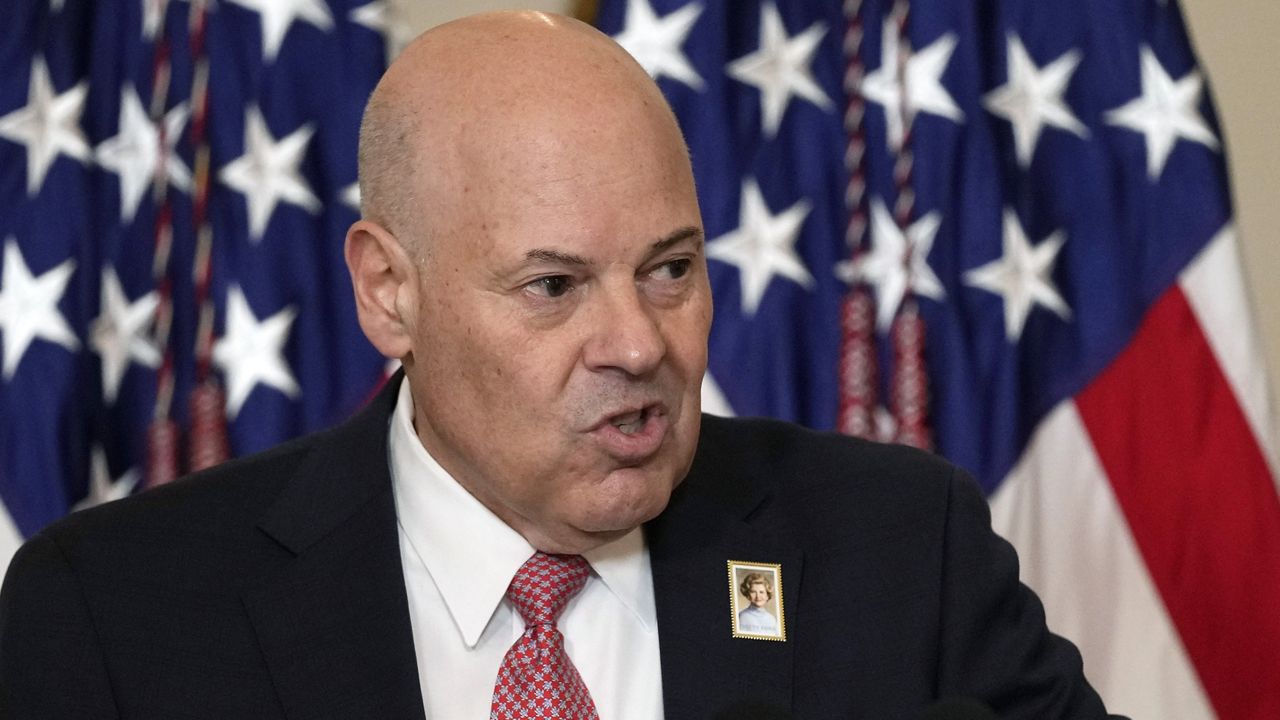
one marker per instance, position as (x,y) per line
(458,559)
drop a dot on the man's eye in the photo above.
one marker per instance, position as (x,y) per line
(673,270)
(552,286)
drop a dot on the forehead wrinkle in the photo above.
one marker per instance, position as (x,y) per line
(550,192)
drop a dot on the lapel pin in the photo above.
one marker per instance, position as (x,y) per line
(755,600)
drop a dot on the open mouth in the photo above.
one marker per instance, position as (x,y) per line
(634,435)
(632,422)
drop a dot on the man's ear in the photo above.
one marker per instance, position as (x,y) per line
(380,271)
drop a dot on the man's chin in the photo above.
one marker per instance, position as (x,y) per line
(628,498)
(572,541)
(601,526)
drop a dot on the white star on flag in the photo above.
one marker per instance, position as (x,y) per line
(49,124)
(135,152)
(383,19)
(780,68)
(1032,98)
(764,245)
(268,172)
(29,306)
(102,488)
(655,42)
(899,263)
(1165,111)
(1022,276)
(278,15)
(252,351)
(351,196)
(374,16)
(119,333)
(923,80)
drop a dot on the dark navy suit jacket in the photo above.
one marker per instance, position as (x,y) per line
(271,587)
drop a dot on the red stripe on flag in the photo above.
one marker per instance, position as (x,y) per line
(1200,501)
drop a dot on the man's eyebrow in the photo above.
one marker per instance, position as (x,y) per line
(677,237)
(555,256)
(558,257)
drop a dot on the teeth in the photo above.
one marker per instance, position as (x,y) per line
(630,428)
(630,423)
(628,418)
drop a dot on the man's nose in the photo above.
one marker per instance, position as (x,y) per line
(626,334)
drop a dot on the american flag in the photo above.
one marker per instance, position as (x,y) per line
(1003,230)
(175,182)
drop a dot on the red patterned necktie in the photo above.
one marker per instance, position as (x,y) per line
(537,679)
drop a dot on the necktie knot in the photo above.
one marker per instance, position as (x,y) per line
(545,584)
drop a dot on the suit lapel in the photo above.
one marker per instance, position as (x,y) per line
(706,672)
(333,621)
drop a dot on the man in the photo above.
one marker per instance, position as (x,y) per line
(531,250)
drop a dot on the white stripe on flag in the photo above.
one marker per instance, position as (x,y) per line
(1058,509)
(1214,286)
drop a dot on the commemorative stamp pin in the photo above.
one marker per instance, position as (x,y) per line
(755,600)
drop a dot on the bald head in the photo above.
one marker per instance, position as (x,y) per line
(469,103)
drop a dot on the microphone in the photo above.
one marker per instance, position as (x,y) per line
(958,709)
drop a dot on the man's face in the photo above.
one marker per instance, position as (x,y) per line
(759,595)
(559,330)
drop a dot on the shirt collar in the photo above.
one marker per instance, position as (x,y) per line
(471,554)
(623,566)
